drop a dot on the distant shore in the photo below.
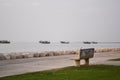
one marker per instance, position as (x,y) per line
(21,55)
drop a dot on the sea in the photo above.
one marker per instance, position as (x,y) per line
(36,47)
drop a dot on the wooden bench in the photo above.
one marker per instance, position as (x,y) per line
(84,54)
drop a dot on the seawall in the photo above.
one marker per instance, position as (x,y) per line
(21,55)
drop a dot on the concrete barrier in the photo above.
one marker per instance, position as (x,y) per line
(2,57)
(27,55)
(97,50)
(12,55)
(42,54)
(21,55)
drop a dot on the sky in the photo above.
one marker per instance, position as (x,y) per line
(56,20)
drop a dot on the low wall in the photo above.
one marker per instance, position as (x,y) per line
(21,55)
(99,50)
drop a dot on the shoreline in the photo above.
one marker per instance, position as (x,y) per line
(22,55)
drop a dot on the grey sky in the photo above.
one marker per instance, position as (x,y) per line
(55,20)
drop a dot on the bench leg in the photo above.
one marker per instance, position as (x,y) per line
(77,62)
(87,61)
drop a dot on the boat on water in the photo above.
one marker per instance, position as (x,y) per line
(44,42)
(87,42)
(64,42)
(94,42)
(4,42)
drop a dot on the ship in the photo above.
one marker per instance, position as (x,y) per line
(86,42)
(44,42)
(94,42)
(4,42)
(64,42)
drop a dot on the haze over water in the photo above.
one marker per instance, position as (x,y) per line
(36,47)
(58,20)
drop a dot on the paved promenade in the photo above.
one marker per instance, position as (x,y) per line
(20,66)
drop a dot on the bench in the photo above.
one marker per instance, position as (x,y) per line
(84,54)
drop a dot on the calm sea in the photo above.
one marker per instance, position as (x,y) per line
(34,47)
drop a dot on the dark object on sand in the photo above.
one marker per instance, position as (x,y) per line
(64,42)
(4,42)
(44,42)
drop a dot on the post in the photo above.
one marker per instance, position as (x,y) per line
(87,61)
(77,62)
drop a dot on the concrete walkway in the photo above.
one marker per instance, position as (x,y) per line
(20,66)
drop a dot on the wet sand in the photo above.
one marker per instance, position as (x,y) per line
(20,66)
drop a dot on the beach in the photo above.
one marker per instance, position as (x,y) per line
(25,65)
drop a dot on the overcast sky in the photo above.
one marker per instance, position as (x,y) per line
(56,20)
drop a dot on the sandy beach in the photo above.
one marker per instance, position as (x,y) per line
(20,66)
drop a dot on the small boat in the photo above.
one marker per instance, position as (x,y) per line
(86,42)
(4,42)
(94,42)
(64,42)
(44,42)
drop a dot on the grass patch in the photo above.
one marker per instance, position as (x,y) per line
(117,59)
(94,72)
